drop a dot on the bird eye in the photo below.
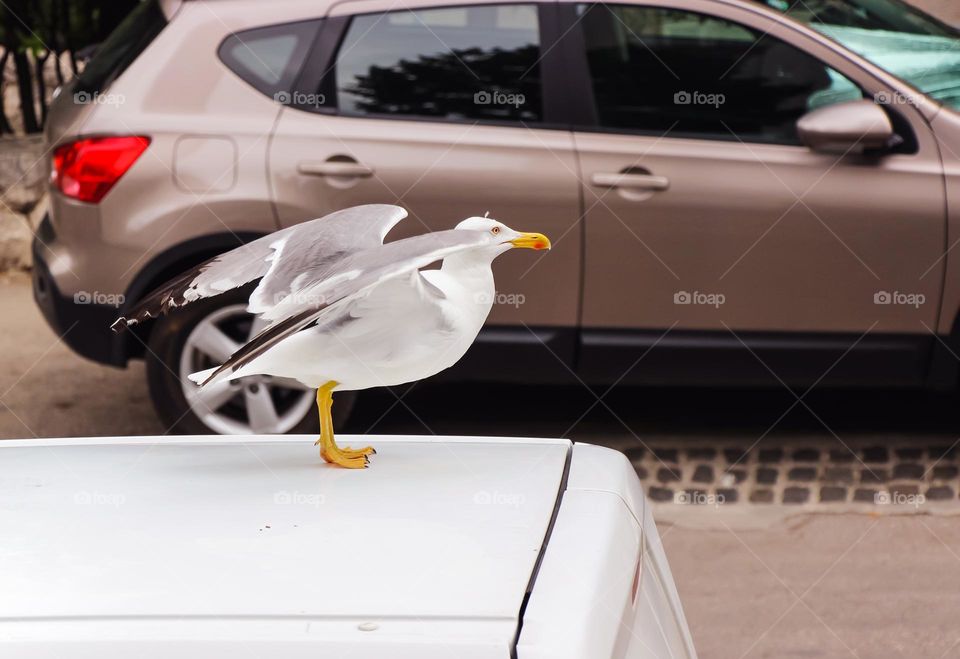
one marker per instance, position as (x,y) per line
(495,230)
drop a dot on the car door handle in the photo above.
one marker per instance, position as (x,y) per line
(334,168)
(631,181)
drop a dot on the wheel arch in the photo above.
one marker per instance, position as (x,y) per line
(164,267)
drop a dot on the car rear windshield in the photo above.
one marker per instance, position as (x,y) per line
(893,35)
(122,47)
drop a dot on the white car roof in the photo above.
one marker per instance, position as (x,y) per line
(438,537)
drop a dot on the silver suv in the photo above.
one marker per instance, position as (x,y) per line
(739,192)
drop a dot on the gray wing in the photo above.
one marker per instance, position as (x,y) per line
(298,249)
(352,275)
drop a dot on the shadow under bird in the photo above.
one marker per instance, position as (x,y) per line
(346,311)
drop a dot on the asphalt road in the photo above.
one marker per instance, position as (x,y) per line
(770,582)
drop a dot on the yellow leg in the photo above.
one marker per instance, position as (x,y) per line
(329,451)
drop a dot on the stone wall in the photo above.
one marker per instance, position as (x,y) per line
(23,173)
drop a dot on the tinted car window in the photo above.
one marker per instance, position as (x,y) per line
(130,38)
(655,70)
(270,57)
(462,63)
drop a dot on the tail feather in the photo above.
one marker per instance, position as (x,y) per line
(200,377)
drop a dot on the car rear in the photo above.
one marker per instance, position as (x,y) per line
(158,162)
(78,276)
(214,547)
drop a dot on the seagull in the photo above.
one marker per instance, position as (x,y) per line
(345,311)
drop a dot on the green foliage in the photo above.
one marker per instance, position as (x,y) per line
(44,27)
(59,25)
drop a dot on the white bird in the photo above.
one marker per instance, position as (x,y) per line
(345,310)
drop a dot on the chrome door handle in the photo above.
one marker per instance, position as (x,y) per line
(334,168)
(631,181)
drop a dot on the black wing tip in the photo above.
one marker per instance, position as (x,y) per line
(121,324)
(212,376)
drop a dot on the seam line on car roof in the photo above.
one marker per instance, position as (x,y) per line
(564,477)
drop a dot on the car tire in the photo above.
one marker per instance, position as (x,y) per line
(178,345)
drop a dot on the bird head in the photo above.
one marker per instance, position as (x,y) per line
(502,238)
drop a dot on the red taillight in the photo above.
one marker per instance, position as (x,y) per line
(88,168)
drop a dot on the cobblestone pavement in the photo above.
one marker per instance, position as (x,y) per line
(809,472)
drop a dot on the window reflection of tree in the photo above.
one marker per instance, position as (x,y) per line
(444,85)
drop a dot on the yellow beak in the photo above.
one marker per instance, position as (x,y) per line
(531,241)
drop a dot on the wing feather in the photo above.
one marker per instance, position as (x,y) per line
(307,246)
(350,276)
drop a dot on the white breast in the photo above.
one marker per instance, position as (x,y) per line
(404,330)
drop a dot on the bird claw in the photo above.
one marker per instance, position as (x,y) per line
(352,453)
(365,451)
(347,457)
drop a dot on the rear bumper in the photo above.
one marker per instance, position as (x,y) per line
(81,324)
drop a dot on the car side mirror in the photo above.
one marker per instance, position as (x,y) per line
(851,127)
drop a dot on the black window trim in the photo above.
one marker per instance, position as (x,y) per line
(314,76)
(318,74)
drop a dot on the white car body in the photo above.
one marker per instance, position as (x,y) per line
(227,547)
